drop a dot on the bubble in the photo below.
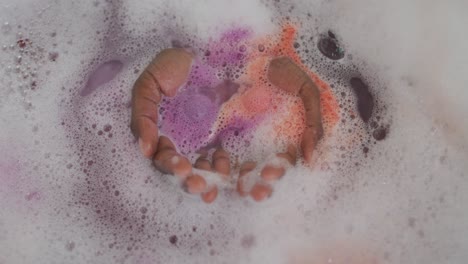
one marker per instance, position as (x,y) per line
(330,47)
(173,239)
(53,56)
(79,182)
(6,28)
(22,43)
(70,246)
(380,133)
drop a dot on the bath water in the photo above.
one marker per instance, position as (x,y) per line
(389,184)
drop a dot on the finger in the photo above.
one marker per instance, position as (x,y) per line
(241,182)
(313,132)
(260,192)
(272,173)
(170,69)
(203,164)
(310,137)
(145,99)
(221,162)
(165,74)
(195,184)
(284,74)
(169,161)
(246,168)
(276,168)
(210,196)
(290,154)
(287,76)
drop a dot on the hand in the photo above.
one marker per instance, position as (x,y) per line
(287,76)
(166,73)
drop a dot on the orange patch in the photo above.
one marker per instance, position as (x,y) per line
(283,45)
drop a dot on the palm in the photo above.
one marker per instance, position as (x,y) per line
(168,71)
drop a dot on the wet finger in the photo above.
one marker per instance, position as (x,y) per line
(310,138)
(210,196)
(313,132)
(170,69)
(147,136)
(221,162)
(203,164)
(276,168)
(168,160)
(145,99)
(246,168)
(165,74)
(195,184)
(286,75)
(272,173)
(241,181)
(290,154)
(260,192)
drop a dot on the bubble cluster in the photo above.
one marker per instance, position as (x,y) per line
(227,95)
(388,184)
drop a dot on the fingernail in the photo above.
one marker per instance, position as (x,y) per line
(145,148)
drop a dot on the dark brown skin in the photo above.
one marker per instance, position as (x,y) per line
(166,73)
(286,75)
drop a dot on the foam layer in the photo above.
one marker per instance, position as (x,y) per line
(387,187)
(227,99)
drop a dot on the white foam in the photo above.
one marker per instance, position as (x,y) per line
(74,191)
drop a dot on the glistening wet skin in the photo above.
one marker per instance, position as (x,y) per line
(388,184)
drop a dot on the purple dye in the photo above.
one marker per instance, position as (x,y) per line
(103,74)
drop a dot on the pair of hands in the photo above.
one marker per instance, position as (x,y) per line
(165,74)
